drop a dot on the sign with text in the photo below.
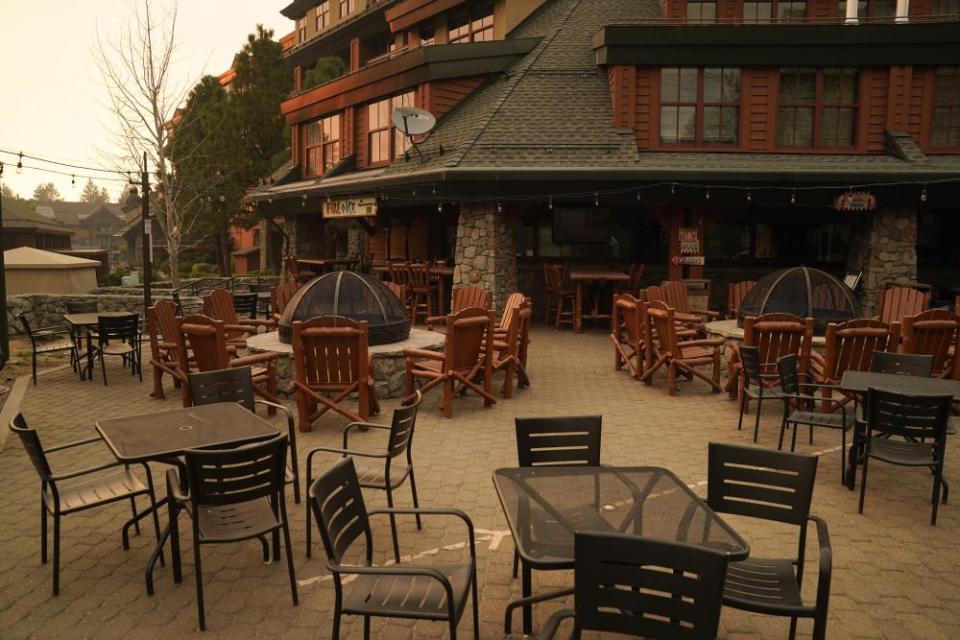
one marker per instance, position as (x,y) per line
(690,241)
(855,201)
(696,261)
(350,208)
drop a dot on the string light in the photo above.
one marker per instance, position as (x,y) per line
(923,194)
(708,193)
(223,198)
(638,195)
(499,207)
(1,168)
(793,197)
(749,197)
(673,188)
(596,198)
(20,164)
(303,200)
(440,207)
(73,180)
(550,203)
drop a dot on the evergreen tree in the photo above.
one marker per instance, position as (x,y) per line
(46,192)
(93,193)
(7,193)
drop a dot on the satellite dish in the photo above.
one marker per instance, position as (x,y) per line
(413,121)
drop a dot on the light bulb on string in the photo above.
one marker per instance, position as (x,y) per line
(708,193)
(440,207)
(73,180)
(20,164)
(499,207)
(923,194)
(550,203)
(638,195)
(596,198)
(673,188)
(303,200)
(793,197)
(749,197)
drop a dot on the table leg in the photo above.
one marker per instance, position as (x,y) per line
(527,579)
(578,308)
(442,294)
(89,356)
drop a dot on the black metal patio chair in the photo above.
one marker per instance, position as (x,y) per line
(915,419)
(755,385)
(380,469)
(907,364)
(48,340)
(799,408)
(633,585)
(236,385)
(245,304)
(231,495)
(62,494)
(118,336)
(436,592)
(776,486)
(561,440)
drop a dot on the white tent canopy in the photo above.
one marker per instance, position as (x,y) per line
(30,270)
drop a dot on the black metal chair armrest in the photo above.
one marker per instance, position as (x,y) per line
(433,511)
(174,490)
(370,425)
(50,331)
(276,405)
(345,452)
(826,557)
(818,385)
(82,472)
(542,597)
(69,445)
(550,627)
(394,570)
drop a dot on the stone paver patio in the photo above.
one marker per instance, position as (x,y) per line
(894,575)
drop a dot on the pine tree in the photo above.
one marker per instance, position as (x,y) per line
(46,192)
(93,193)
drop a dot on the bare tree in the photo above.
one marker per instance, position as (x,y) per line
(144,97)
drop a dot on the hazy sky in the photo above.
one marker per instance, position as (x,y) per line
(50,86)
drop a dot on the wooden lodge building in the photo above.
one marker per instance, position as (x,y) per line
(784,132)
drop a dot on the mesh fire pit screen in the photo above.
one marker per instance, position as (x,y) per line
(803,292)
(353,295)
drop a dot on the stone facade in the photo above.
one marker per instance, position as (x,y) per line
(486,251)
(45,310)
(884,247)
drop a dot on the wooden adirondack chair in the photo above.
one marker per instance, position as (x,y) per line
(666,350)
(775,335)
(463,298)
(204,338)
(557,295)
(164,355)
(676,295)
(849,347)
(218,304)
(627,334)
(330,355)
(279,297)
(461,362)
(899,302)
(509,350)
(932,333)
(513,302)
(736,292)
(686,322)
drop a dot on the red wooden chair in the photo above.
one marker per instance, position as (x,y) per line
(464,298)
(676,295)
(898,302)
(164,354)
(932,333)
(279,297)
(330,357)
(464,358)
(204,339)
(424,296)
(627,334)
(666,350)
(849,346)
(218,304)
(509,350)
(558,293)
(736,292)
(400,290)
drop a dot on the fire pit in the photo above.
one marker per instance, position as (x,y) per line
(803,292)
(352,295)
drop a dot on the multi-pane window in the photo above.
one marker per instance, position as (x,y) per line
(946,8)
(322,144)
(879,10)
(946,108)
(699,106)
(428,33)
(323,15)
(471,22)
(774,11)
(302,29)
(385,142)
(701,11)
(347,7)
(817,107)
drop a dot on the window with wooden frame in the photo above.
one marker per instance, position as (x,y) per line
(943,8)
(699,106)
(701,11)
(384,141)
(302,29)
(323,15)
(817,107)
(321,145)
(945,132)
(767,11)
(428,32)
(347,7)
(876,10)
(471,22)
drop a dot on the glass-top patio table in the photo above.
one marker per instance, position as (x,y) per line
(545,505)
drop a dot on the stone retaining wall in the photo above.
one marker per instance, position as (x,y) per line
(44,310)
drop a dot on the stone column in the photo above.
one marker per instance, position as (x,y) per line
(884,247)
(356,241)
(486,252)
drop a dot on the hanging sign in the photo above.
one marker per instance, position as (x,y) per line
(690,241)
(350,208)
(855,201)
(696,261)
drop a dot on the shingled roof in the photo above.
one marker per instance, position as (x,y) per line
(20,214)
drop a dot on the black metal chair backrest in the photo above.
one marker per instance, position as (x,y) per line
(245,304)
(910,417)
(218,477)
(789,369)
(750,360)
(83,306)
(907,364)
(223,385)
(31,442)
(761,483)
(339,510)
(125,328)
(22,317)
(647,588)
(402,425)
(568,440)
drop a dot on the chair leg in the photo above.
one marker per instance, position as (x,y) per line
(756,421)
(793,628)
(337,606)
(843,456)
(103,368)
(743,404)
(793,438)
(783,428)
(937,475)
(863,483)
(264,548)
(416,501)
(43,532)
(476,608)
(201,623)
(133,510)
(516,561)
(293,575)
(309,519)
(175,544)
(56,554)
(34,363)
(366,627)
(393,524)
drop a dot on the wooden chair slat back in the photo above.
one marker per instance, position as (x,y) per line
(675,295)
(418,276)
(736,292)
(467,332)
(931,333)
(470,296)
(627,313)
(399,290)
(776,335)
(280,296)
(898,302)
(661,326)
(207,341)
(166,317)
(514,300)
(553,276)
(652,293)
(331,350)
(218,304)
(850,345)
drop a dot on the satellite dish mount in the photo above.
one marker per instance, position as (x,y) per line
(413,122)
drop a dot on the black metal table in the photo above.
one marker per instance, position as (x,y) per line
(545,505)
(860,381)
(90,321)
(165,435)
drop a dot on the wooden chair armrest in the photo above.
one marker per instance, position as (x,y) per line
(705,342)
(423,353)
(254,359)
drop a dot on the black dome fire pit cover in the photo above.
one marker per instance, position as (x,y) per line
(353,295)
(803,292)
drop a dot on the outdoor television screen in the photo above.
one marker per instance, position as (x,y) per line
(581,225)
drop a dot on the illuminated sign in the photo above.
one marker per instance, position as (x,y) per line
(350,208)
